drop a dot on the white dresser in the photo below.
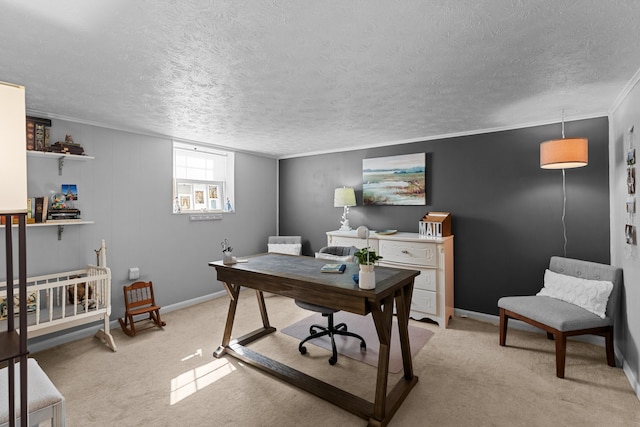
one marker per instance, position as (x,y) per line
(433,288)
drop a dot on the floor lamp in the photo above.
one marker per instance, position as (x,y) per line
(564,153)
(13,204)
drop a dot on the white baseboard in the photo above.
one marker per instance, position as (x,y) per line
(592,339)
(113,324)
(633,380)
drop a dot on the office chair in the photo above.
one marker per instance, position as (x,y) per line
(335,254)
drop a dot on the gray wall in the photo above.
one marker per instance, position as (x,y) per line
(506,210)
(627,339)
(127,191)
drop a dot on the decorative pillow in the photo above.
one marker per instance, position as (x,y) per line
(592,295)
(344,258)
(285,248)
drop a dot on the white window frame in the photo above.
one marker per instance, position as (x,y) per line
(203,179)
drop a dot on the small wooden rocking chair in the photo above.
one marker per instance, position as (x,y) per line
(138,299)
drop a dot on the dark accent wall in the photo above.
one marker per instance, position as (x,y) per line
(506,211)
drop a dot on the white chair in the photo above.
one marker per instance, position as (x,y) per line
(46,404)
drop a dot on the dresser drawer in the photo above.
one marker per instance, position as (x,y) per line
(427,280)
(424,302)
(352,241)
(413,253)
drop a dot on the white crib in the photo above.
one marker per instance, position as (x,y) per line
(51,309)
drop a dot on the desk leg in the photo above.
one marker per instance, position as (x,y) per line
(403,304)
(263,309)
(382,317)
(234,292)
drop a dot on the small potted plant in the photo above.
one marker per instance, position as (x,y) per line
(367,258)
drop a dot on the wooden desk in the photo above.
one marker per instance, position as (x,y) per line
(300,278)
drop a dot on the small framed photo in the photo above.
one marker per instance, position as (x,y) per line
(631,156)
(631,180)
(185,203)
(630,234)
(70,191)
(631,206)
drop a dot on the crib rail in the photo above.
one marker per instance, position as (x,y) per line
(63,300)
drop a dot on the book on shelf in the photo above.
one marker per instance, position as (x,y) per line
(39,137)
(63,214)
(54,221)
(333,268)
(31,135)
(42,206)
(15,220)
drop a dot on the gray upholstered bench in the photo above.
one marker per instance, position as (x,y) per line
(45,401)
(562,319)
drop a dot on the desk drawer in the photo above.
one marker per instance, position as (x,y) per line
(424,302)
(412,253)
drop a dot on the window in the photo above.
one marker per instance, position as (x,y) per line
(203,179)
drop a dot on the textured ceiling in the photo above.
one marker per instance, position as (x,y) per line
(284,78)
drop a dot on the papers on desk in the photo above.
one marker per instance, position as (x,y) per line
(333,268)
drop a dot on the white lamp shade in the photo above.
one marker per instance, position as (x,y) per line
(13,149)
(565,153)
(344,197)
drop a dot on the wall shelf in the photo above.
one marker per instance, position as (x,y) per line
(60,225)
(60,156)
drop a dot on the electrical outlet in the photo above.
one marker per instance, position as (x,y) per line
(134,273)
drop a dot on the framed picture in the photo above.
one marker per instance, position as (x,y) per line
(394,180)
(70,191)
(214,197)
(630,234)
(631,156)
(631,206)
(185,203)
(199,197)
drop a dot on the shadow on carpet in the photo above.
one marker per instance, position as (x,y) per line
(363,326)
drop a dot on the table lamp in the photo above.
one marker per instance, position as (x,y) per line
(344,198)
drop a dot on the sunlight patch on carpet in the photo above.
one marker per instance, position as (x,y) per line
(188,383)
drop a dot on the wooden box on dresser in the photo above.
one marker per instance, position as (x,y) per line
(433,288)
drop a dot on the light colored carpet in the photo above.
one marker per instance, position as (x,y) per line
(169,377)
(363,326)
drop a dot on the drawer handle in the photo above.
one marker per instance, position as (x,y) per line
(406,252)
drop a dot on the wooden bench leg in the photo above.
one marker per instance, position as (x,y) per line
(611,358)
(561,352)
(504,320)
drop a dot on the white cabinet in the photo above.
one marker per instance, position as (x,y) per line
(433,288)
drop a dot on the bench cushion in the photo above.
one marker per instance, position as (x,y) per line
(555,313)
